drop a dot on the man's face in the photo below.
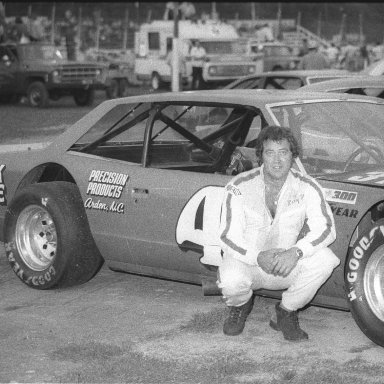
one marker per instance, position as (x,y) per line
(277,159)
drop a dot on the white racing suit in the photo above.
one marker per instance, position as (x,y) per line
(247,228)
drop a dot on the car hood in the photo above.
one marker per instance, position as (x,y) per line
(23,147)
(373,177)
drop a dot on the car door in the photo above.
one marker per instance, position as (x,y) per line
(173,207)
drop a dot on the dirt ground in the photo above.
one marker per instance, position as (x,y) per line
(122,328)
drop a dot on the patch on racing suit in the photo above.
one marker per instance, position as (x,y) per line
(3,200)
(233,190)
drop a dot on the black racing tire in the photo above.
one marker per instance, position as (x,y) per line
(37,95)
(364,282)
(112,90)
(84,97)
(47,237)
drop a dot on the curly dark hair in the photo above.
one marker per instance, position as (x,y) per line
(276,133)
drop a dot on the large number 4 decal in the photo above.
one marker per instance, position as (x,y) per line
(199,223)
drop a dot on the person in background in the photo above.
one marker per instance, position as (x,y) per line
(377,51)
(35,28)
(198,55)
(70,27)
(313,59)
(276,226)
(333,55)
(3,23)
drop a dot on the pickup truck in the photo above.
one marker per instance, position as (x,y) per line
(39,72)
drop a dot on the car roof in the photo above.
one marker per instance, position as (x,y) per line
(301,73)
(346,82)
(238,96)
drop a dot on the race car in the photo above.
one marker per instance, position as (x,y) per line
(138,183)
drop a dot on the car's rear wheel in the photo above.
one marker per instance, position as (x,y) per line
(364,281)
(84,97)
(48,242)
(37,94)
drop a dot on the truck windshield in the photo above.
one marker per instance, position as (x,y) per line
(42,52)
(223,47)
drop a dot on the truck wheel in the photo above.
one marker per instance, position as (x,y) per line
(84,97)
(37,94)
(112,90)
(156,82)
(364,282)
(123,88)
(48,241)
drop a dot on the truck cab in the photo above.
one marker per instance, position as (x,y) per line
(226,58)
(40,72)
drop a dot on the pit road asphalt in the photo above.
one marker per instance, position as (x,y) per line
(123,328)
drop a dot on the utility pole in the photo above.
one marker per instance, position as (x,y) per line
(319,25)
(214,11)
(125,33)
(53,23)
(342,28)
(253,14)
(361,33)
(175,70)
(79,24)
(278,32)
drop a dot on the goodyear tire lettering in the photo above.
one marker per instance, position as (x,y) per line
(358,289)
(77,260)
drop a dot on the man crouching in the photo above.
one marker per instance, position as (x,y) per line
(263,213)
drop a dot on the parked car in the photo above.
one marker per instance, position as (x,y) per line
(39,72)
(287,79)
(277,56)
(138,182)
(357,85)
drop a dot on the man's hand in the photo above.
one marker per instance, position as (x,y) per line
(284,262)
(267,259)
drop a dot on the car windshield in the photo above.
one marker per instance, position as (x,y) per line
(42,52)
(336,136)
(224,47)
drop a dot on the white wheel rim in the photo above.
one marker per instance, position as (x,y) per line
(36,237)
(374,282)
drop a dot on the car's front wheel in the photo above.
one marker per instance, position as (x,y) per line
(48,242)
(364,281)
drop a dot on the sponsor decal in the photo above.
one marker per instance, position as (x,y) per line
(338,196)
(199,222)
(375,176)
(105,184)
(297,200)
(234,190)
(352,295)
(3,200)
(340,211)
(359,252)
